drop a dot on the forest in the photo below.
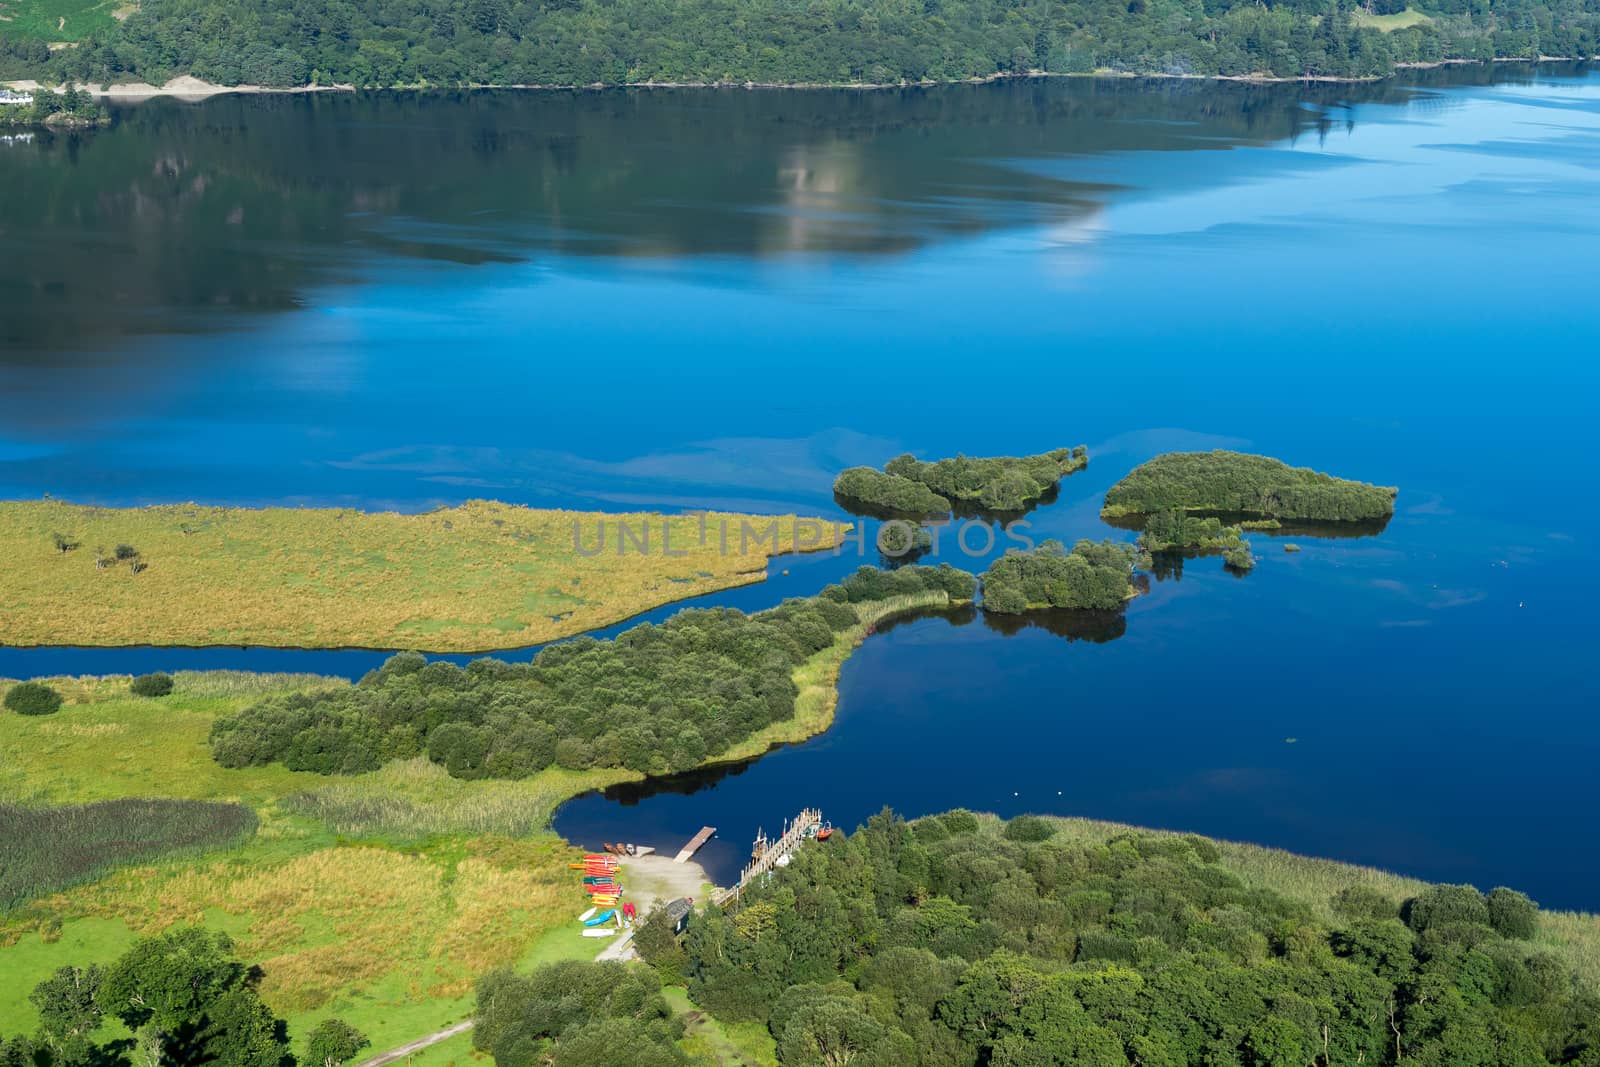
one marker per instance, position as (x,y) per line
(610,42)
(909,486)
(1244,484)
(1094,576)
(577,1014)
(654,700)
(958,940)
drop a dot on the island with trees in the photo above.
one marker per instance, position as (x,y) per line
(960,939)
(996,484)
(479,576)
(1179,531)
(428,43)
(1242,484)
(1092,576)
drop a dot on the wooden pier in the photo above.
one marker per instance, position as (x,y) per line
(694,844)
(796,833)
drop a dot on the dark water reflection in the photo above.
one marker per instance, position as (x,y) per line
(183,215)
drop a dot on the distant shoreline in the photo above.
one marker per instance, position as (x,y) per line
(188,87)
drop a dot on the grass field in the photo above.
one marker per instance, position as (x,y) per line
(478,577)
(60,20)
(386,925)
(1389,23)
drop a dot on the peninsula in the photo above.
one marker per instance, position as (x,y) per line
(477,577)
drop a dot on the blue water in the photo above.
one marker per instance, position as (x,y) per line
(624,300)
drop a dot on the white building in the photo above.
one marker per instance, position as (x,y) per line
(20,99)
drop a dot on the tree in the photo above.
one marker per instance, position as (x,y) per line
(333,1042)
(833,1031)
(69,1011)
(189,1002)
(62,542)
(33,698)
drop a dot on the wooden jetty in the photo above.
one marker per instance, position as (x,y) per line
(694,844)
(770,854)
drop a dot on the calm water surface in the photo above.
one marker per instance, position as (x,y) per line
(679,299)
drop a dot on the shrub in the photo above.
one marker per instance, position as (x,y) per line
(1029,828)
(1446,905)
(33,698)
(151,685)
(1512,914)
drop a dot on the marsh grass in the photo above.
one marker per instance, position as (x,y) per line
(481,576)
(414,799)
(43,850)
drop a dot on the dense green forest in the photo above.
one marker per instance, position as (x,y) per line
(655,699)
(577,1014)
(586,42)
(956,941)
(185,999)
(1240,483)
(1094,576)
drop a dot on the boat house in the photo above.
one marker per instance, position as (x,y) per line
(678,913)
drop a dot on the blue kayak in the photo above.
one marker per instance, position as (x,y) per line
(603,917)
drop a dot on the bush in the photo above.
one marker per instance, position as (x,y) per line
(1029,828)
(1447,905)
(151,685)
(1512,914)
(33,698)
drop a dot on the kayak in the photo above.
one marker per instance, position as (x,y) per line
(603,917)
(599,933)
(586,916)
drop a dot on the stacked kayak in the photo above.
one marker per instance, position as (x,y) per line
(598,879)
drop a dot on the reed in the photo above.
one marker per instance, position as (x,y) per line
(43,850)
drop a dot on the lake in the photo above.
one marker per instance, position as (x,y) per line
(718,298)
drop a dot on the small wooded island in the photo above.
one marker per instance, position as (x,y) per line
(1093,576)
(1244,484)
(909,486)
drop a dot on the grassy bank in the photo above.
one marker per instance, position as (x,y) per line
(818,678)
(384,919)
(477,577)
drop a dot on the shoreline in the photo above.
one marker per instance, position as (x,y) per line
(189,88)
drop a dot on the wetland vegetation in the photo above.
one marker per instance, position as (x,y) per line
(479,576)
